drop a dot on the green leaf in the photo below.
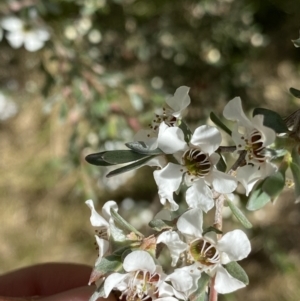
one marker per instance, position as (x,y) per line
(109,264)
(122,156)
(239,214)
(199,294)
(186,131)
(141,148)
(295,92)
(236,271)
(160,225)
(274,184)
(123,224)
(221,165)
(272,120)
(97,159)
(258,198)
(129,167)
(295,168)
(215,119)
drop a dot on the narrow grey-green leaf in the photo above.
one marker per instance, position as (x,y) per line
(236,271)
(186,131)
(258,198)
(221,165)
(109,264)
(239,214)
(272,120)
(215,119)
(122,156)
(296,43)
(160,225)
(274,184)
(199,294)
(129,167)
(141,148)
(295,92)
(123,224)
(97,159)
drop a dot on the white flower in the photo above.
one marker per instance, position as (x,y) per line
(7,107)
(207,252)
(197,167)
(105,227)
(253,137)
(142,280)
(18,33)
(170,114)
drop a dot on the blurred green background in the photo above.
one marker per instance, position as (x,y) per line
(96,81)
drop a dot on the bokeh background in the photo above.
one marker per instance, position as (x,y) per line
(106,66)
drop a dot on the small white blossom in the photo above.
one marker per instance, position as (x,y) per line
(197,167)
(253,137)
(142,280)
(207,253)
(170,114)
(18,33)
(105,227)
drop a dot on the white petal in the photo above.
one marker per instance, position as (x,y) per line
(32,43)
(139,260)
(179,101)
(208,138)
(175,245)
(200,196)
(170,139)
(159,161)
(225,283)
(235,244)
(234,111)
(43,34)
(12,23)
(107,207)
(15,39)
(181,280)
(168,180)
(190,223)
(222,182)
(96,219)
(112,281)
(268,134)
(103,246)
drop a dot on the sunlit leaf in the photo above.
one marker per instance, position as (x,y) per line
(142,148)
(239,215)
(215,119)
(258,198)
(109,264)
(236,271)
(160,225)
(129,167)
(274,184)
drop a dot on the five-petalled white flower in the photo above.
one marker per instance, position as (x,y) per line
(205,252)
(33,36)
(143,279)
(253,137)
(197,160)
